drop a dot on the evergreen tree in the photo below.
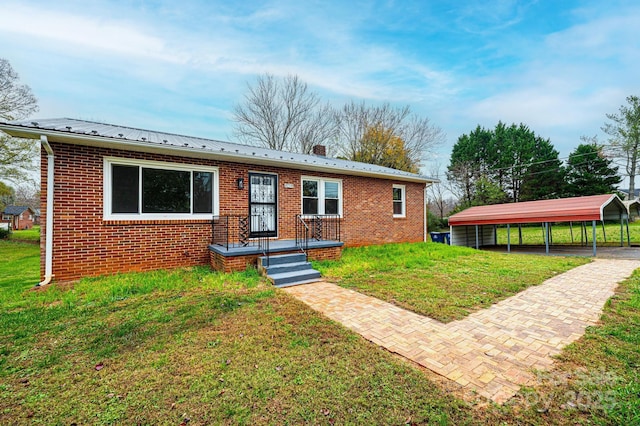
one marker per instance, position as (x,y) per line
(522,165)
(546,177)
(590,172)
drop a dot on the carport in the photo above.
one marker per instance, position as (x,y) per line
(477,226)
(633,208)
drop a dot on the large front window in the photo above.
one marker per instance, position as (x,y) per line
(144,189)
(321,196)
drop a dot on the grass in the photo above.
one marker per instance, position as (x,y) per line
(26,235)
(439,281)
(561,234)
(159,347)
(19,268)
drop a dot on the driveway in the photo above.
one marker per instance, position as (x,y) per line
(606,252)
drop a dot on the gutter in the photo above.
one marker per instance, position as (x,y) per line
(48,260)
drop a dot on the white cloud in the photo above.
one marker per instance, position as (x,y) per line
(98,35)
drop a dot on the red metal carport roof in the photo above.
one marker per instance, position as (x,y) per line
(576,209)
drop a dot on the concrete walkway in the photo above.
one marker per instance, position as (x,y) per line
(492,351)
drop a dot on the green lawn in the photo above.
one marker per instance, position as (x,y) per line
(216,348)
(439,281)
(561,234)
(32,234)
(159,347)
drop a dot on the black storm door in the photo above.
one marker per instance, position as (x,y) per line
(263,202)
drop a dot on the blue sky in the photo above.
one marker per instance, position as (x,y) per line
(557,66)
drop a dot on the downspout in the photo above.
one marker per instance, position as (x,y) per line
(48,257)
(424,224)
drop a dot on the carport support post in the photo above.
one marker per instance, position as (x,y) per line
(628,236)
(593,226)
(621,230)
(519,234)
(571,231)
(546,237)
(477,243)
(508,238)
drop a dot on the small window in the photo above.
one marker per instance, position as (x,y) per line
(202,192)
(309,197)
(331,198)
(124,189)
(399,201)
(321,196)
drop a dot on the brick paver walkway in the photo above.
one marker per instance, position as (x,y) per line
(491,351)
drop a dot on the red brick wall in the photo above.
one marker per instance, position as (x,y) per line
(86,245)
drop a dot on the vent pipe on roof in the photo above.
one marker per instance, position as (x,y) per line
(48,239)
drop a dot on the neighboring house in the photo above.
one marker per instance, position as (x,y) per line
(117,199)
(19,217)
(625,193)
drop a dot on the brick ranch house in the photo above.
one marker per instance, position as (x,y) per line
(118,199)
(19,217)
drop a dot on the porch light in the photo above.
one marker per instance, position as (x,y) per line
(240,183)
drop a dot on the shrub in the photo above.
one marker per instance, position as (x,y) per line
(434,223)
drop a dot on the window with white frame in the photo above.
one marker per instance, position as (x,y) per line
(137,189)
(321,196)
(399,201)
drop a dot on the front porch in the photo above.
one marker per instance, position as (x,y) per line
(239,240)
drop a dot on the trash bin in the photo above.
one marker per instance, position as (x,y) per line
(447,238)
(437,237)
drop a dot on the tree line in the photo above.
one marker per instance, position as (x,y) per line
(512,163)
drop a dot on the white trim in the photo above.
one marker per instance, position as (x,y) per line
(321,197)
(404,200)
(106,189)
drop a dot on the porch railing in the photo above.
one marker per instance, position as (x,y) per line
(232,231)
(316,228)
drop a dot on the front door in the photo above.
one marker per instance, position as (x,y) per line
(263,202)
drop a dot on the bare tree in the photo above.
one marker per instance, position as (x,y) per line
(624,132)
(283,115)
(16,102)
(355,121)
(319,129)
(437,191)
(28,194)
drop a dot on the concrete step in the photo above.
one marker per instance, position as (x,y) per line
(295,277)
(283,258)
(287,267)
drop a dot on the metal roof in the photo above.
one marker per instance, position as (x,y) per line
(15,210)
(633,208)
(83,132)
(577,209)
